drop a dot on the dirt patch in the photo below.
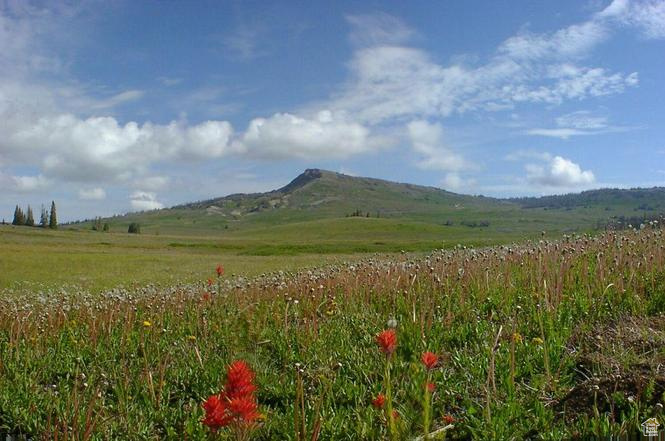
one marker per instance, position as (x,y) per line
(619,364)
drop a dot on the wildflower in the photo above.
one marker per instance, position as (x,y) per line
(430,360)
(146,323)
(209,282)
(431,387)
(537,340)
(220,270)
(239,380)
(244,409)
(236,405)
(392,323)
(387,340)
(205,297)
(192,338)
(517,337)
(448,419)
(379,401)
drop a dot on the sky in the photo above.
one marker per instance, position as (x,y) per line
(111,107)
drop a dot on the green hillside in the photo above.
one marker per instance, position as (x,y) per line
(325,205)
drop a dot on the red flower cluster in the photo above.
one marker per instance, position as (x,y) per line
(236,404)
(220,270)
(387,341)
(379,401)
(449,419)
(430,360)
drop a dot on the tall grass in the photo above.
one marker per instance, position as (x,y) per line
(138,363)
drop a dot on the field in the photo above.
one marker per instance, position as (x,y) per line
(94,260)
(547,339)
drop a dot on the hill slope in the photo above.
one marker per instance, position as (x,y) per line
(323,205)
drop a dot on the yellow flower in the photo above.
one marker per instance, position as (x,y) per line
(517,337)
(146,323)
(192,338)
(538,340)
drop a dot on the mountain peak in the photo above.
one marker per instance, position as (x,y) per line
(309,175)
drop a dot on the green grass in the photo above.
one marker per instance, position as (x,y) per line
(553,340)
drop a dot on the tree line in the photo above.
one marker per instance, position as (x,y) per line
(27,218)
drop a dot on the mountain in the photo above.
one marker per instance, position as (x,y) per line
(324,205)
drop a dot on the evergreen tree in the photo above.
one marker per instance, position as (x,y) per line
(19,216)
(53,221)
(134,228)
(97,224)
(43,221)
(30,219)
(106,227)
(16,216)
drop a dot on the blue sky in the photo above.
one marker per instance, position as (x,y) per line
(109,107)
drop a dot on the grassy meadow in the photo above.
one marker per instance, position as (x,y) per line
(95,260)
(546,339)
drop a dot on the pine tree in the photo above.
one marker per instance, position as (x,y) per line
(53,221)
(106,227)
(19,216)
(30,219)
(16,216)
(43,221)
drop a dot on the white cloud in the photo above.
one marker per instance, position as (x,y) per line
(427,140)
(28,184)
(326,135)
(571,42)
(578,123)
(391,82)
(647,16)
(144,200)
(563,133)
(583,120)
(559,172)
(92,194)
(100,149)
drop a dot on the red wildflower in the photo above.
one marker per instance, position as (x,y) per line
(448,419)
(216,413)
(209,282)
(220,270)
(379,401)
(236,404)
(387,340)
(239,380)
(205,297)
(430,359)
(395,414)
(431,387)
(244,409)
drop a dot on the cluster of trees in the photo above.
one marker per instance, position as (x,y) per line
(97,225)
(27,218)
(359,213)
(476,224)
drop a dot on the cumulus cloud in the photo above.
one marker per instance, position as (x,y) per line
(101,149)
(92,194)
(325,135)
(145,200)
(427,141)
(559,172)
